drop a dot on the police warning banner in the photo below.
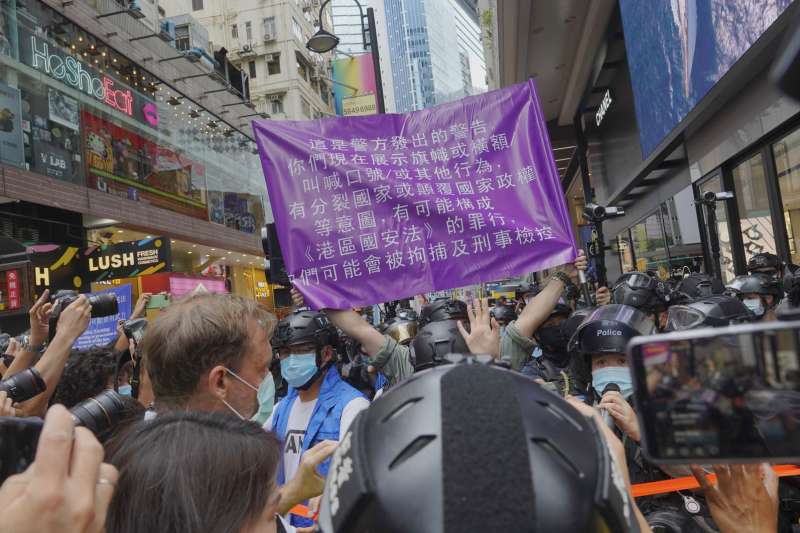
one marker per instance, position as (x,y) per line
(381,207)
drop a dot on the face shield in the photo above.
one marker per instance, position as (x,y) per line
(683,317)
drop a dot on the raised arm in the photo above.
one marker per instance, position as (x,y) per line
(539,308)
(356,327)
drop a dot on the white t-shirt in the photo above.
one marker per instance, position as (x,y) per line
(299,417)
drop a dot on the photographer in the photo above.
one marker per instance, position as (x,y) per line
(72,322)
(212,353)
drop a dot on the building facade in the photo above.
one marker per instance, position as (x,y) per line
(668,101)
(112,139)
(436,51)
(266,39)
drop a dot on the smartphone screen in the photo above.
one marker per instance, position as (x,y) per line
(719,395)
(18,440)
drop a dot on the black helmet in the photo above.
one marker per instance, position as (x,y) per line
(761,284)
(434,341)
(505,314)
(576,318)
(437,431)
(401,330)
(407,314)
(699,285)
(554,339)
(302,327)
(444,309)
(762,261)
(640,290)
(609,329)
(713,311)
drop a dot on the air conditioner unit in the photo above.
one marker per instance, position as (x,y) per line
(135,9)
(268,37)
(167,32)
(247,49)
(269,58)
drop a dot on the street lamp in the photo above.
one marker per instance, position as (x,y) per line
(322,41)
(325,41)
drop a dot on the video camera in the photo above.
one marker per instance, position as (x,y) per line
(719,395)
(102,305)
(598,213)
(20,436)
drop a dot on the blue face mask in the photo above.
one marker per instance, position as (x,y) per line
(266,400)
(124,390)
(621,375)
(298,369)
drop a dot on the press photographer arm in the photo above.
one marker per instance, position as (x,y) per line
(29,353)
(72,323)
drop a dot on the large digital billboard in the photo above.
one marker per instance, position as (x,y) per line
(679,49)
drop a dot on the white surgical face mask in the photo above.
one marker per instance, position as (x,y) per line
(245,382)
(755,305)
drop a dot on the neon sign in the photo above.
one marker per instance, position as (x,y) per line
(72,72)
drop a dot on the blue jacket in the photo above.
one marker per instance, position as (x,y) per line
(334,395)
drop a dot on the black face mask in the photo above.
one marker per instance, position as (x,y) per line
(552,339)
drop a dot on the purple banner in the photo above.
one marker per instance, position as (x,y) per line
(375,208)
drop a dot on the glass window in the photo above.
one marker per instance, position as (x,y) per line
(752,198)
(197,5)
(297,30)
(649,248)
(248,30)
(787,165)
(269,27)
(182,41)
(274,64)
(251,67)
(277,106)
(301,68)
(235,31)
(625,251)
(723,229)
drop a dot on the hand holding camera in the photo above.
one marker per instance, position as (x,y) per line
(98,305)
(74,319)
(68,488)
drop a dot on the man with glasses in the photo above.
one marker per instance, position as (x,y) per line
(320,405)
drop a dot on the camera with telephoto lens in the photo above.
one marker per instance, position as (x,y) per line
(102,305)
(99,413)
(134,329)
(23,386)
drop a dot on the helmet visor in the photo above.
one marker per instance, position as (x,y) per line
(683,317)
(637,280)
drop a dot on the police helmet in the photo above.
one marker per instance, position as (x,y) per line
(699,285)
(434,341)
(407,314)
(639,290)
(444,309)
(764,262)
(609,329)
(712,311)
(304,327)
(438,431)
(761,284)
(504,314)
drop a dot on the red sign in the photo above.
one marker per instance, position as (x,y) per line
(13,289)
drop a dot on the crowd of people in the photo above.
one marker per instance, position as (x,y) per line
(460,416)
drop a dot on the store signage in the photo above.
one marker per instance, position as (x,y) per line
(46,57)
(13,289)
(72,72)
(11,140)
(359,105)
(605,105)
(129,259)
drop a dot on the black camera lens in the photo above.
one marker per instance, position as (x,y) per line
(103,305)
(101,413)
(24,386)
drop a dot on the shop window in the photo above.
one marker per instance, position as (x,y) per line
(274,65)
(787,165)
(182,40)
(727,266)
(649,247)
(197,5)
(625,250)
(251,68)
(234,31)
(752,198)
